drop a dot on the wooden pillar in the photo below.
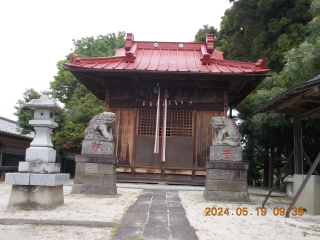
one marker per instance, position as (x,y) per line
(107,98)
(230,112)
(298,149)
(226,102)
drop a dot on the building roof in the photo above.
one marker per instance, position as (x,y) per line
(9,127)
(170,60)
(307,95)
(168,57)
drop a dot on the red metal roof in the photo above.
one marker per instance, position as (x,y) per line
(168,57)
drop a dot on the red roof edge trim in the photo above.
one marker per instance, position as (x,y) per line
(210,46)
(195,60)
(146,68)
(158,61)
(129,40)
(139,60)
(218,67)
(116,64)
(187,64)
(229,69)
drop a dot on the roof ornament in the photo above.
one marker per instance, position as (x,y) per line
(181,45)
(210,47)
(74,58)
(261,63)
(129,41)
(155,45)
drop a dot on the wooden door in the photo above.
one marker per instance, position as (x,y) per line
(123,134)
(204,136)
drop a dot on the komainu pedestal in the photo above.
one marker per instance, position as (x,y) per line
(226,181)
(96,166)
(226,178)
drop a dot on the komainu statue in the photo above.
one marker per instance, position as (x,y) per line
(222,125)
(100,127)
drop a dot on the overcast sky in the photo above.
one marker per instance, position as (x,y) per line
(36,34)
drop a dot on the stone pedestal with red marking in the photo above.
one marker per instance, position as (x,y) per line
(95,175)
(226,178)
(96,166)
(227,153)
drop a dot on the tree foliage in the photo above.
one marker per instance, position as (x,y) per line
(263,29)
(285,34)
(23,113)
(81,105)
(201,35)
(269,131)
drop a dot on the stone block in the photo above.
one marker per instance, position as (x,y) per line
(44,154)
(109,169)
(76,189)
(94,189)
(54,179)
(310,196)
(211,185)
(80,167)
(96,159)
(18,178)
(91,168)
(232,174)
(39,167)
(109,179)
(226,196)
(232,186)
(229,153)
(215,174)
(96,147)
(227,165)
(35,197)
(244,197)
(243,175)
(79,178)
(86,178)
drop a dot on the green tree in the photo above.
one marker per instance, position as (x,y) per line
(201,35)
(263,29)
(81,105)
(25,114)
(300,65)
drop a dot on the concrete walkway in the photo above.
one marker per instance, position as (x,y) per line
(156,214)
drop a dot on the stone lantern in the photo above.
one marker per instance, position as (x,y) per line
(39,183)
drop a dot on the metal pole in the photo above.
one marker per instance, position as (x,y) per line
(310,163)
(278,179)
(304,183)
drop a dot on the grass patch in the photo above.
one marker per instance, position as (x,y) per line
(142,227)
(114,229)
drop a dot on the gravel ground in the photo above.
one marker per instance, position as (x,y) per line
(76,207)
(250,226)
(92,208)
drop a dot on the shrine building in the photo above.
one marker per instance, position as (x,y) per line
(192,83)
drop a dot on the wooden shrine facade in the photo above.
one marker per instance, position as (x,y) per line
(200,85)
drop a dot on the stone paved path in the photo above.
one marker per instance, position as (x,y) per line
(156,214)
